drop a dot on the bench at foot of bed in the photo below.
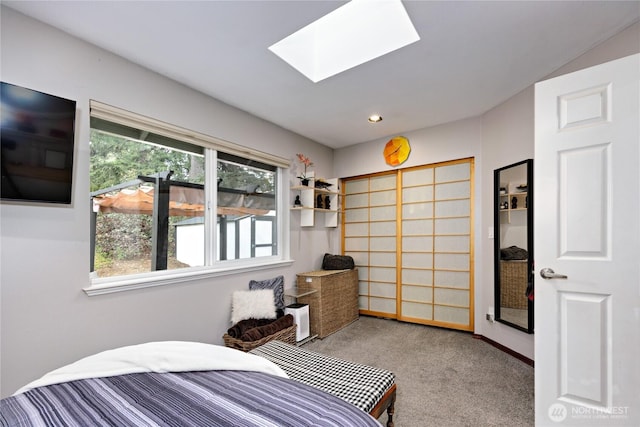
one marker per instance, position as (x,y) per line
(371,389)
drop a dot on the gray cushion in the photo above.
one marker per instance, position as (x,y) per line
(277,284)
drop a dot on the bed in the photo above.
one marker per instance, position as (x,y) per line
(176,384)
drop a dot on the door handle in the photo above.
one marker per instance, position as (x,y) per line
(548,273)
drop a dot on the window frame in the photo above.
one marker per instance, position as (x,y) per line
(212,268)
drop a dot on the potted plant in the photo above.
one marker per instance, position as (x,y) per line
(306,162)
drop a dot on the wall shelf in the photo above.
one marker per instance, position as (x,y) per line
(310,205)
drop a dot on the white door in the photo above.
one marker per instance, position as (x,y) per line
(586,193)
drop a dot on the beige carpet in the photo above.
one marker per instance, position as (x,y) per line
(444,377)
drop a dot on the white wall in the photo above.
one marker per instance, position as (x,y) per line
(507,137)
(46,320)
(451,141)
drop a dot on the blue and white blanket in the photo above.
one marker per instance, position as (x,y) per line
(175,384)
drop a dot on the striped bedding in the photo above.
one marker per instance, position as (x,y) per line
(211,398)
(177,384)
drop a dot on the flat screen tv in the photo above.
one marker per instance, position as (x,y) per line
(37,132)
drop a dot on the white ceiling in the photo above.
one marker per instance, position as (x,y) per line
(472,56)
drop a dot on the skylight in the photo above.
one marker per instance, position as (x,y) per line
(351,35)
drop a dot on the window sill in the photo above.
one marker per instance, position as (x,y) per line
(108,285)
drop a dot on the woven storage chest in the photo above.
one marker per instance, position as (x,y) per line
(334,304)
(513,284)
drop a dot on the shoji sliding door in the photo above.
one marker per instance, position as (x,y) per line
(436,279)
(410,233)
(370,230)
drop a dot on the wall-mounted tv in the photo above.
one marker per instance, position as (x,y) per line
(37,132)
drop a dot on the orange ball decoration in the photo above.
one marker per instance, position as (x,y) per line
(397,151)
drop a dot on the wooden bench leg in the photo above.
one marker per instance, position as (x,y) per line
(390,411)
(388,402)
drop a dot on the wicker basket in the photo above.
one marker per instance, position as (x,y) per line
(513,284)
(334,304)
(287,335)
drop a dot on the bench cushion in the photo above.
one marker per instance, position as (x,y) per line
(361,385)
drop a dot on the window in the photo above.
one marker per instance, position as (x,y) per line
(246,208)
(154,191)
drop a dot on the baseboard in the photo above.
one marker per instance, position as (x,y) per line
(505,349)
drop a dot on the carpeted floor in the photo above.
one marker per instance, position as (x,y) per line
(444,377)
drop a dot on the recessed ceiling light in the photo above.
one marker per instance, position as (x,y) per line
(351,35)
(375,118)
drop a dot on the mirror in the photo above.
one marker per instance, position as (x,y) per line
(513,240)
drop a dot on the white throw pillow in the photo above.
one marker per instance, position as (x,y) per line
(258,304)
